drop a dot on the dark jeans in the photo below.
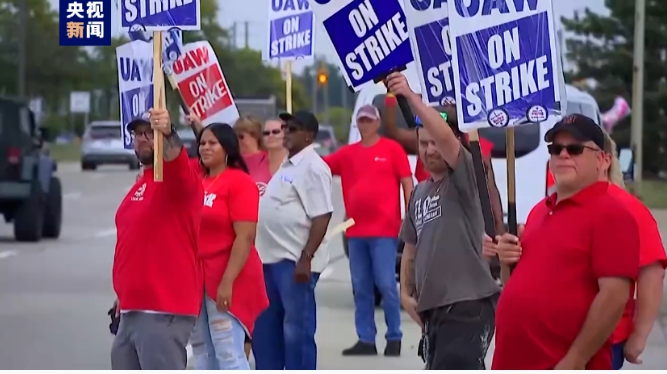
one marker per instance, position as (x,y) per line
(458,335)
(284,335)
(373,263)
(617,356)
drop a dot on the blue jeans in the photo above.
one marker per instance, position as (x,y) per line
(617,356)
(284,335)
(218,340)
(373,262)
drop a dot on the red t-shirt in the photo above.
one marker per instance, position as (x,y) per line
(651,251)
(258,166)
(155,266)
(567,247)
(231,197)
(421,174)
(371,181)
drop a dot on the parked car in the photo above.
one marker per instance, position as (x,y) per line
(327,138)
(189,141)
(30,192)
(102,144)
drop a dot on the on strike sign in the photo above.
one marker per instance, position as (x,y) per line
(203,85)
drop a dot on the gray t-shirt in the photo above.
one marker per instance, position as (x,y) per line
(446,226)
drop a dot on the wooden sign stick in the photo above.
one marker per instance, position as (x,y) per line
(288,86)
(159,102)
(506,271)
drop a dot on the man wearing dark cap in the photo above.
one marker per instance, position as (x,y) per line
(372,173)
(576,260)
(156,276)
(294,214)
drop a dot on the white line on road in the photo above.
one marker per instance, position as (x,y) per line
(72,195)
(105,233)
(6,254)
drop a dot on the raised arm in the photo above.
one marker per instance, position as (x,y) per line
(406,138)
(447,142)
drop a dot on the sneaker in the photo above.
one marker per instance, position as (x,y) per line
(361,349)
(393,348)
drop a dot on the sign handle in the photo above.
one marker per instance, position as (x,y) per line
(288,86)
(159,102)
(506,271)
(482,185)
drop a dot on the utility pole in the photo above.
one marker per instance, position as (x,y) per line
(314,76)
(22,45)
(638,96)
(234,35)
(247,34)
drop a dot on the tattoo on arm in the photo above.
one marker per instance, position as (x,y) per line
(408,270)
(172,147)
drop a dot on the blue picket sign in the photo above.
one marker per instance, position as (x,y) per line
(505,62)
(370,37)
(291,30)
(151,15)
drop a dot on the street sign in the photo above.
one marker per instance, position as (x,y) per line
(79,102)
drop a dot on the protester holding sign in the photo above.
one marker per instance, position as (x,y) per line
(446,284)
(156,275)
(294,215)
(579,256)
(233,279)
(374,161)
(408,139)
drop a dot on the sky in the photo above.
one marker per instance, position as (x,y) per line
(241,11)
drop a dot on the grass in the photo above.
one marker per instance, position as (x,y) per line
(654,193)
(65,152)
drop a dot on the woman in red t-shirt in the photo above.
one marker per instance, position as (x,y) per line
(233,278)
(250,134)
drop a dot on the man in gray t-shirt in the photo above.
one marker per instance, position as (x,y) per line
(446,283)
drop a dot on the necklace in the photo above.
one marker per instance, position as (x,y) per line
(207,186)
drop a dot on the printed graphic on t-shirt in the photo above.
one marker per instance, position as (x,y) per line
(209,198)
(426,210)
(380,159)
(262,188)
(139,193)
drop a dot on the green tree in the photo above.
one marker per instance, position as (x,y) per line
(603,50)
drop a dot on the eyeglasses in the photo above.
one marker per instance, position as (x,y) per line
(572,149)
(148,134)
(272,132)
(290,128)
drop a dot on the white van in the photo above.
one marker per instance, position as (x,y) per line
(531,150)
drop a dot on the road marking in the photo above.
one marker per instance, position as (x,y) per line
(72,195)
(105,233)
(6,254)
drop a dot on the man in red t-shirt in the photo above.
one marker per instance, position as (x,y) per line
(408,139)
(156,275)
(630,336)
(575,261)
(372,172)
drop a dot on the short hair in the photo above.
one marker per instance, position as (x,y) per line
(249,124)
(614,173)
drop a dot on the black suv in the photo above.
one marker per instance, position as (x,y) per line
(30,193)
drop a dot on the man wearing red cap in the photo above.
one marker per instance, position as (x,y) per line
(372,173)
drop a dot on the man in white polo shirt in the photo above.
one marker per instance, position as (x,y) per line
(294,214)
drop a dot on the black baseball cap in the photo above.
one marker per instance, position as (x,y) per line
(137,122)
(580,127)
(303,119)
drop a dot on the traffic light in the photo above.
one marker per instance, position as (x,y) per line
(322,78)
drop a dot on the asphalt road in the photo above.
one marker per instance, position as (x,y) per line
(54,295)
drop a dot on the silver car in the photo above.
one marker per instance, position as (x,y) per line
(102,144)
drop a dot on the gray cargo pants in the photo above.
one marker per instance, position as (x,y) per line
(147,341)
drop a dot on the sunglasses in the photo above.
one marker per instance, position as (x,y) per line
(272,132)
(419,121)
(572,149)
(290,128)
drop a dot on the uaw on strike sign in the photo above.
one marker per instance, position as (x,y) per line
(203,86)
(428,25)
(505,62)
(370,36)
(290,30)
(135,83)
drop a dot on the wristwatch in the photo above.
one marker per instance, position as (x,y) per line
(307,255)
(172,133)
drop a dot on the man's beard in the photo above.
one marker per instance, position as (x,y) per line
(146,158)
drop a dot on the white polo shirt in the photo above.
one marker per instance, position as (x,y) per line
(298,192)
